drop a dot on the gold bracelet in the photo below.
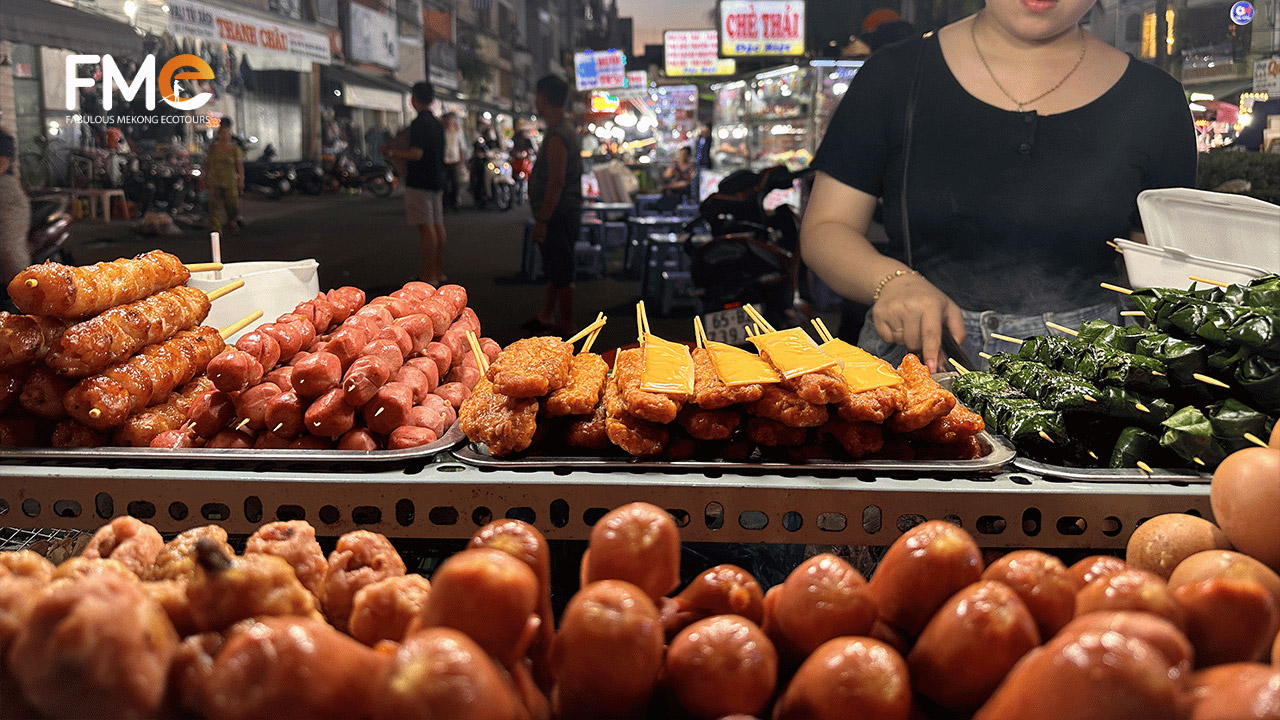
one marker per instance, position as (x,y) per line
(887,278)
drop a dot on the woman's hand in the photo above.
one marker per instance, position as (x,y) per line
(913,313)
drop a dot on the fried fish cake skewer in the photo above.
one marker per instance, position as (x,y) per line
(821,387)
(956,426)
(709,393)
(635,437)
(771,433)
(784,406)
(589,432)
(709,425)
(859,439)
(581,394)
(926,399)
(875,406)
(654,407)
(532,367)
(504,423)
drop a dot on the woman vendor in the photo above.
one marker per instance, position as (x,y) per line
(1008,148)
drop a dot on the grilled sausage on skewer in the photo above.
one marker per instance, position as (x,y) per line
(78,292)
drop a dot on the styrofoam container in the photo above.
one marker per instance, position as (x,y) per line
(1220,226)
(1170,267)
(275,288)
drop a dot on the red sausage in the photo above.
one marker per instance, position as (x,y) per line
(318,315)
(211,412)
(330,416)
(428,418)
(399,307)
(400,337)
(303,326)
(271,441)
(283,415)
(43,394)
(262,347)
(455,295)
(359,439)
(491,348)
(470,320)
(232,440)
(421,331)
(385,349)
(415,379)
(429,368)
(455,393)
(234,370)
(463,375)
(290,338)
(424,289)
(346,301)
(442,355)
(252,403)
(318,346)
(281,376)
(316,375)
(409,436)
(297,359)
(363,379)
(441,407)
(174,439)
(346,343)
(389,408)
(440,312)
(455,338)
(377,313)
(369,328)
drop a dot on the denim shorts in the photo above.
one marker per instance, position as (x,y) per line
(978,326)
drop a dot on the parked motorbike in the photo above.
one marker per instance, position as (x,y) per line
(346,172)
(309,177)
(753,256)
(50,227)
(162,184)
(269,177)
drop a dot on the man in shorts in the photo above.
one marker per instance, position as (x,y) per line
(424,181)
(555,194)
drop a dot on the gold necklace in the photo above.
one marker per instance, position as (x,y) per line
(973,34)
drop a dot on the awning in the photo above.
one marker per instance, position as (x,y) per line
(39,22)
(344,86)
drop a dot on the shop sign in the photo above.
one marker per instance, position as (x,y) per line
(227,26)
(598,70)
(372,37)
(442,61)
(637,85)
(604,103)
(761,28)
(1266,75)
(1242,13)
(695,52)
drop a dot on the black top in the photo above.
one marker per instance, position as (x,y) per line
(9,149)
(427,133)
(571,196)
(1009,211)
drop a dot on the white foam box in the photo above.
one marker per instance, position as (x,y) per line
(275,288)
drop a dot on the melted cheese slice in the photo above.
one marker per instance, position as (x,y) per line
(862,370)
(792,352)
(668,367)
(735,366)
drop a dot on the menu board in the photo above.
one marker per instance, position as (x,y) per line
(761,28)
(598,70)
(695,52)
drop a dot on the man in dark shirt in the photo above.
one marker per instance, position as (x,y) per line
(424,181)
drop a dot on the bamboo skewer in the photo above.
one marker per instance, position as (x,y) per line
(1210,381)
(1254,439)
(242,424)
(204,267)
(1132,313)
(1116,288)
(591,339)
(595,325)
(1145,468)
(699,332)
(1198,461)
(1046,437)
(1093,455)
(1207,281)
(240,324)
(1142,408)
(758,318)
(1006,338)
(482,362)
(1115,247)
(823,332)
(1062,328)
(959,368)
(225,290)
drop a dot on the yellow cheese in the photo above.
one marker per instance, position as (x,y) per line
(792,352)
(668,367)
(735,366)
(862,370)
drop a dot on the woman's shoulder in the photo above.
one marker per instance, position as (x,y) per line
(1145,79)
(896,60)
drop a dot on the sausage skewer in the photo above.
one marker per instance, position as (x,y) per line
(106,400)
(27,338)
(73,293)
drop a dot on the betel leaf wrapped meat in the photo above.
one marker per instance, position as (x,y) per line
(1231,419)
(1260,377)
(1137,445)
(1183,358)
(1221,323)
(1007,410)
(1127,405)
(1260,292)
(1097,364)
(73,293)
(1189,433)
(1050,388)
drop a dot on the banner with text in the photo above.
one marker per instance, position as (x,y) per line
(222,25)
(695,52)
(1266,75)
(637,85)
(599,70)
(372,37)
(761,28)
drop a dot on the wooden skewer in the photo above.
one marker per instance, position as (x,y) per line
(596,324)
(1093,455)
(378,412)
(1210,381)
(32,282)
(1132,313)
(1007,339)
(699,332)
(1116,288)
(1141,407)
(1091,398)
(758,318)
(984,355)
(276,429)
(204,267)
(242,424)
(1062,328)
(1197,461)
(644,316)
(1207,281)
(95,413)
(823,332)
(591,340)
(225,290)
(956,364)
(482,362)
(239,325)
(1045,435)
(1157,373)
(1145,468)
(1254,439)
(1115,247)
(639,325)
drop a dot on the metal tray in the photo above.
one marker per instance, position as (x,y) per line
(129,456)
(1000,454)
(1125,475)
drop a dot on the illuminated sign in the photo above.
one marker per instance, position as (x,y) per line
(1242,13)
(600,70)
(604,103)
(761,28)
(695,52)
(221,25)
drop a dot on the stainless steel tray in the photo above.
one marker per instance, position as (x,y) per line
(1124,475)
(127,456)
(1000,454)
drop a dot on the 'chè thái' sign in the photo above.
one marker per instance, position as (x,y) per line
(761,28)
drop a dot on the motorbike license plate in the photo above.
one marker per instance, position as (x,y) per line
(727,326)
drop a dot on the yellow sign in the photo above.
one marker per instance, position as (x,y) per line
(604,103)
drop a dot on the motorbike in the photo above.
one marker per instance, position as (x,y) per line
(50,227)
(492,181)
(753,256)
(269,177)
(310,178)
(347,172)
(521,171)
(163,184)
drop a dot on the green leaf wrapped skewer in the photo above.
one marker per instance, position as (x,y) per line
(1049,387)
(1098,364)
(1232,419)
(1145,410)
(1182,358)
(1008,411)
(1136,445)
(1189,433)
(1221,323)
(1260,377)
(1261,292)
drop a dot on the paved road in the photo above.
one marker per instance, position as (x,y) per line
(363,241)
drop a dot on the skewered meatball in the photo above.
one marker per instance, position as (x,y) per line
(128,540)
(489,595)
(384,610)
(638,543)
(176,560)
(469,685)
(294,542)
(227,589)
(523,541)
(361,558)
(171,596)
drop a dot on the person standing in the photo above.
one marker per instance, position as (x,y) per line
(224,175)
(424,181)
(15,214)
(555,194)
(455,152)
(702,156)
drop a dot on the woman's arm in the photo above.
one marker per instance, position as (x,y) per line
(833,242)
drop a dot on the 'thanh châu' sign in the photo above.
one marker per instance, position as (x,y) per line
(761,28)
